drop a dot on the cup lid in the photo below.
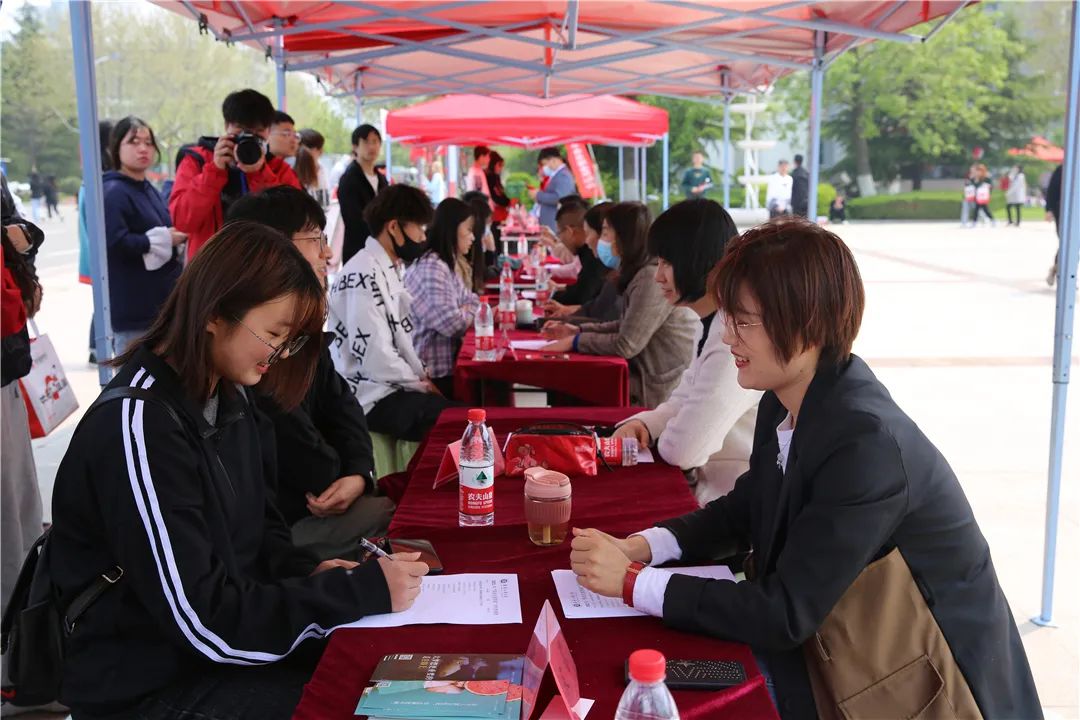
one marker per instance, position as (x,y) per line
(547,484)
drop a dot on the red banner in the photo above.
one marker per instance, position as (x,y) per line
(585,175)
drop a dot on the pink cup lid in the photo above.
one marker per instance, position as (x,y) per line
(546,484)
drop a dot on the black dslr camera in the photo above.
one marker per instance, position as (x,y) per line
(249,148)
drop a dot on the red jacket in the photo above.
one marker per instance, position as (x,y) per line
(12,309)
(195,201)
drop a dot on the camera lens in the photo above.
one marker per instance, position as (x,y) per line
(248,149)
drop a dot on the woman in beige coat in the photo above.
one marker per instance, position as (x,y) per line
(656,337)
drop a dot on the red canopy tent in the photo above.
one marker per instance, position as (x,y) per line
(528,122)
(1041,149)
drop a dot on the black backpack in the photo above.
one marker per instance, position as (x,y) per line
(35,625)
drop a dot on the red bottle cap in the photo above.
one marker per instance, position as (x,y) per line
(477,415)
(647,666)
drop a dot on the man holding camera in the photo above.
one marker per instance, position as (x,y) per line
(215,171)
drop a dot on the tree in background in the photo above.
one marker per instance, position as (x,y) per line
(898,107)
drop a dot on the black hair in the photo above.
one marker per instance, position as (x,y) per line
(400,202)
(363,132)
(481,207)
(120,131)
(630,223)
(248,108)
(798,159)
(549,152)
(691,236)
(573,198)
(480,203)
(480,151)
(594,218)
(312,139)
(283,208)
(496,158)
(442,233)
(283,117)
(104,133)
(568,208)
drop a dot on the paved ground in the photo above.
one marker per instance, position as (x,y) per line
(959,325)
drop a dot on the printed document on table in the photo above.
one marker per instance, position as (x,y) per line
(578,603)
(464,599)
(528,344)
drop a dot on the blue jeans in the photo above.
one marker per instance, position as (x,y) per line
(123,338)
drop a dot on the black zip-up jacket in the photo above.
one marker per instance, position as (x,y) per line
(186,510)
(323,439)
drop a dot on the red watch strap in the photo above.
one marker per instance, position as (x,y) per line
(629,579)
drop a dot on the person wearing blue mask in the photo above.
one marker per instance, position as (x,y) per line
(656,337)
(560,184)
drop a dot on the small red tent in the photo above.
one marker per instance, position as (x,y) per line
(529,122)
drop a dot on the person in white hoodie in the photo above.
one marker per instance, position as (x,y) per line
(372,324)
(1016,193)
(706,427)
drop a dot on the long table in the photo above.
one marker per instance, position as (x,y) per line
(601,380)
(620,501)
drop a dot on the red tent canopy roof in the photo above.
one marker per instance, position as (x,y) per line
(556,47)
(528,122)
(1041,149)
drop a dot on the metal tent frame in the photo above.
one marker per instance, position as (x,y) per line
(670,48)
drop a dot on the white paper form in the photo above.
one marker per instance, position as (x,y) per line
(463,599)
(578,603)
(529,344)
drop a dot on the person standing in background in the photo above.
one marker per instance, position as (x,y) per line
(436,188)
(800,189)
(359,184)
(984,187)
(476,179)
(696,180)
(37,194)
(284,140)
(1015,193)
(969,198)
(1053,212)
(52,197)
(778,191)
(560,184)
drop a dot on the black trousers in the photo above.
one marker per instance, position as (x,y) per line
(1009,209)
(985,210)
(406,414)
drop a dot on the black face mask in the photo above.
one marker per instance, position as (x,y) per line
(409,250)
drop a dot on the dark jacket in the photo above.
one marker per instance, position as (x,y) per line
(324,439)
(589,281)
(186,509)
(354,193)
(202,192)
(1053,197)
(861,479)
(800,191)
(136,294)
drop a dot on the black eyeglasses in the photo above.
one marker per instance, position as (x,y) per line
(287,348)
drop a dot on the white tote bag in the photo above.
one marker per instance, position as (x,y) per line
(45,389)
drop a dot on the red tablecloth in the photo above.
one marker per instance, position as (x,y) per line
(599,646)
(601,380)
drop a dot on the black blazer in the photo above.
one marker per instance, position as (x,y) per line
(354,193)
(861,479)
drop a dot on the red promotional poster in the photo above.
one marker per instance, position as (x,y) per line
(588,183)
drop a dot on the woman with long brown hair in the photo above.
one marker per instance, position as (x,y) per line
(166,489)
(655,336)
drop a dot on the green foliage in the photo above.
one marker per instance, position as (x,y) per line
(925,205)
(69,185)
(918,103)
(516,186)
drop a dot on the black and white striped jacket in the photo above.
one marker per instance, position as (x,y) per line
(210,575)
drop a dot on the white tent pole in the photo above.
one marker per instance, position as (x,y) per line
(817,81)
(452,171)
(82,45)
(622,191)
(644,174)
(727,152)
(1064,317)
(664,172)
(279,62)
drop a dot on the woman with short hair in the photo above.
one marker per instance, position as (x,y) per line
(655,337)
(871,592)
(706,427)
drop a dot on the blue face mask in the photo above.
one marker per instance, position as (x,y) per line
(549,171)
(603,251)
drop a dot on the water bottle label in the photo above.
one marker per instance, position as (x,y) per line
(477,490)
(485,343)
(507,317)
(612,450)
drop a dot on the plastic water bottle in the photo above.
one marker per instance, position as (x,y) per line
(647,697)
(543,284)
(507,314)
(485,333)
(476,481)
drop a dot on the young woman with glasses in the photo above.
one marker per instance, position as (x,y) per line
(167,485)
